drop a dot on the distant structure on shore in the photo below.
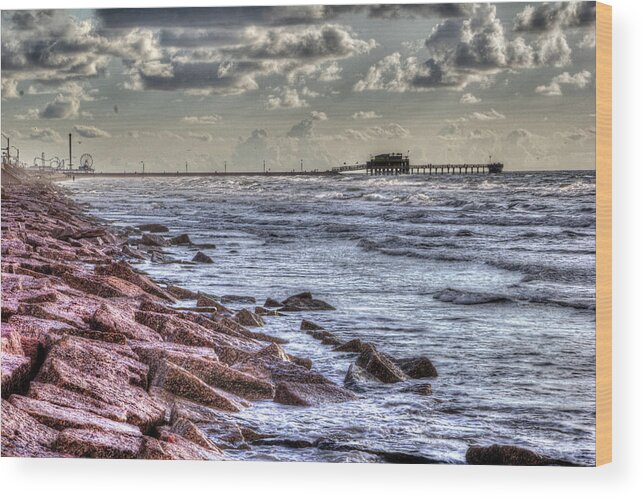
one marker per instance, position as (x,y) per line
(396,163)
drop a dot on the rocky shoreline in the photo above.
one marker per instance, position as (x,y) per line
(100,361)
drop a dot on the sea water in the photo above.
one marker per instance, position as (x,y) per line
(490,276)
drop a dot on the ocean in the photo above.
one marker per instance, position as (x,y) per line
(490,276)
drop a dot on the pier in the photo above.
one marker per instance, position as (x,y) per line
(399,168)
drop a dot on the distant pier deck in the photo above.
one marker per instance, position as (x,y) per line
(421,169)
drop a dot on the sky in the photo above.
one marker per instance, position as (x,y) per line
(232,87)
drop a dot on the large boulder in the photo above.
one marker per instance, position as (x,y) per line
(272,303)
(305,302)
(24,436)
(353,346)
(380,366)
(201,257)
(249,319)
(15,373)
(180,382)
(205,301)
(303,394)
(308,325)
(124,271)
(108,318)
(98,443)
(150,239)
(418,367)
(181,240)
(497,454)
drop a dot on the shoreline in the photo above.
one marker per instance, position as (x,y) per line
(100,361)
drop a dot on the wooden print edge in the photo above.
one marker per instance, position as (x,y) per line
(603,234)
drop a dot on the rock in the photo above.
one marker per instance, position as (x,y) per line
(301,394)
(108,318)
(201,257)
(325,337)
(180,382)
(497,454)
(353,346)
(15,373)
(308,325)
(238,299)
(380,366)
(181,240)
(188,430)
(108,373)
(205,301)
(305,302)
(24,436)
(124,271)
(421,389)
(356,376)
(172,446)
(150,239)
(181,293)
(98,444)
(249,319)
(418,367)
(175,329)
(273,303)
(217,374)
(66,398)
(153,227)
(133,253)
(58,417)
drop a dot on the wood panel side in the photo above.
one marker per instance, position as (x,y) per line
(603,234)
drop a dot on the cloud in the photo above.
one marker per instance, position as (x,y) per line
(288,98)
(390,131)
(588,41)
(462,51)
(305,128)
(330,73)
(366,115)
(555,15)
(209,119)
(45,135)
(469,98)
(202,137)
(554,89)
(62,107)
(91,132)
(492,115)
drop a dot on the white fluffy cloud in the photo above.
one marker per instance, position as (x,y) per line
(91,132)
(469,98)
(286,98)
(366,115)
(45,135)
(554,88)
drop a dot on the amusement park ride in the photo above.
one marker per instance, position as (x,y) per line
(55,164)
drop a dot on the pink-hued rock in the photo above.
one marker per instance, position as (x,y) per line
(126,272)
(15,373)
(93,443)
(180,382)
(249,319)
(204,301)
(174,329)
(172,446)
(66,398)
(302,394)
(108,318)
(24,436)
(188,430)
(58,417)
(181,293)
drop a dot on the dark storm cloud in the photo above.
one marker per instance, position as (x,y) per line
(559,15)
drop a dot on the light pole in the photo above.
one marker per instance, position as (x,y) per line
(143,166)
(301,165)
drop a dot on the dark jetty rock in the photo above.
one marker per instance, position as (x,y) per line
(386,456)
(308,325)
(305,302)
(468,298)
(418,367)
(201,257)
(181,240)
(353,346)
(153,227)
(150,239)
(357,376)
(381,367)
(272,303)
(303,394)
(497,454)
(249,319)
(181,293)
